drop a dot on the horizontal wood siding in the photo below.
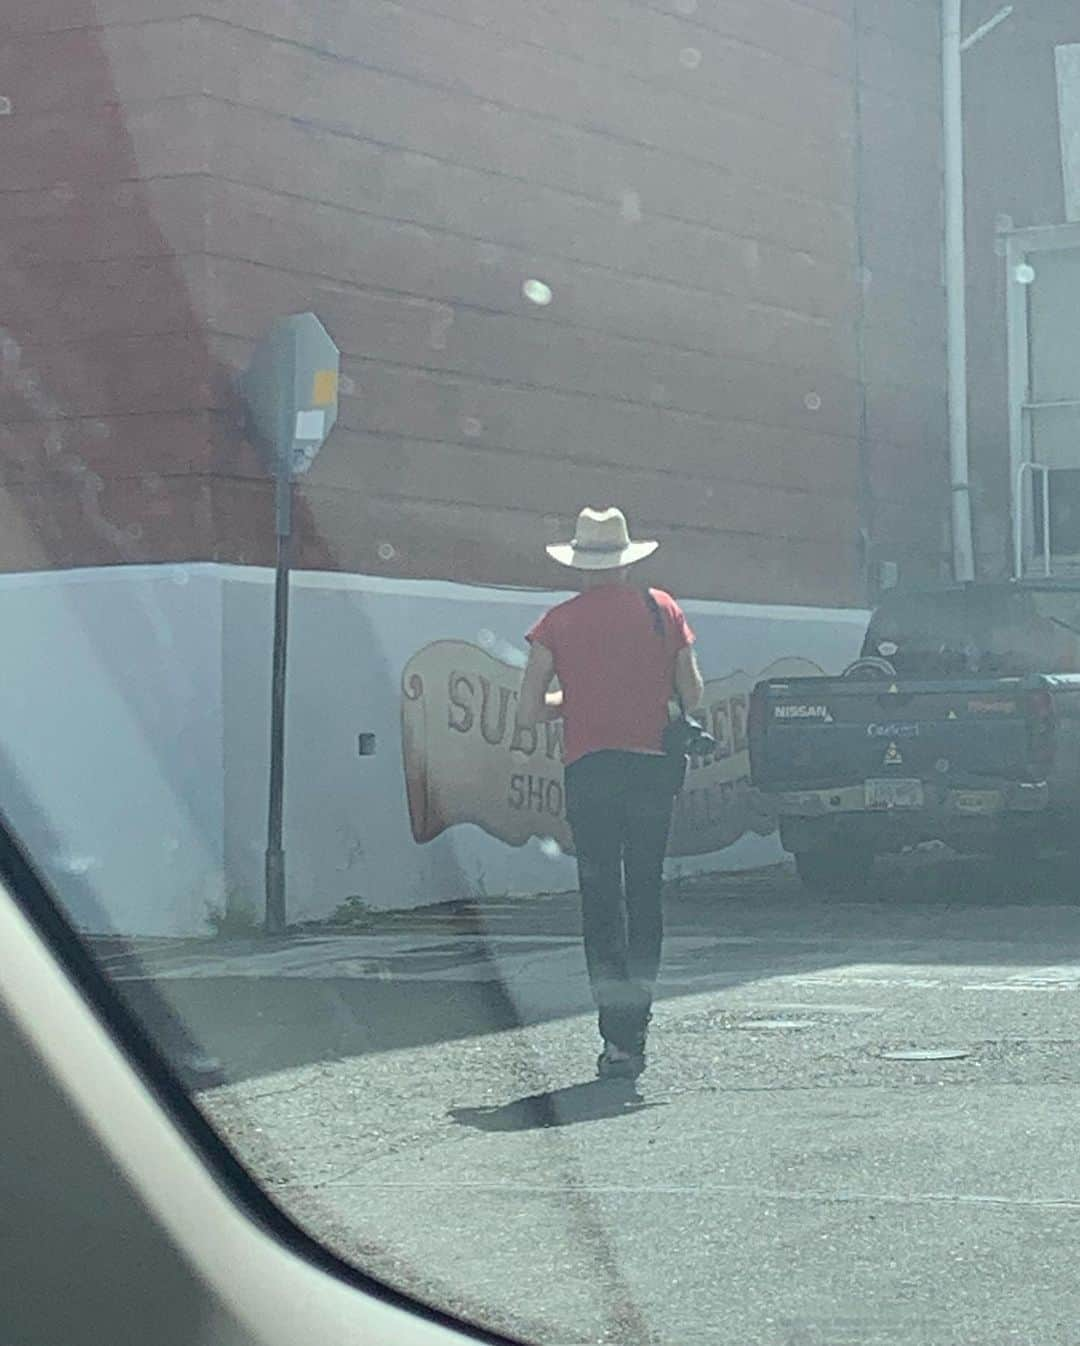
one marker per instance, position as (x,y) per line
(744,341)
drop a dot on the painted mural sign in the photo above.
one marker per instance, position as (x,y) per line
(466,762)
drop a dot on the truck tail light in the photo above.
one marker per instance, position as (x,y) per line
(1041,728)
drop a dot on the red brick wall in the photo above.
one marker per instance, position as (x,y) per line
(742,348)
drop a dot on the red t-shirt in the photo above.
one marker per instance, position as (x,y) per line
(616,671)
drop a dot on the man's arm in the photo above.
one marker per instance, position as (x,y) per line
(688,680)
(535,702)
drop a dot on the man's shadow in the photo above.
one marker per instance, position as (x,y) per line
(592,1101)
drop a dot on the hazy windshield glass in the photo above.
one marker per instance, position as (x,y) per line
(411,411)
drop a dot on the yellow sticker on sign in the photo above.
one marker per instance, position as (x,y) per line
(325,388)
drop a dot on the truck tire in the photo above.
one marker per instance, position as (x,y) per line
(834,869)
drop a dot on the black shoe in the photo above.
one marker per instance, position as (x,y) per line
(615,1064)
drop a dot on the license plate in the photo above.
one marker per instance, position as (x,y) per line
(978,801)
(894,794)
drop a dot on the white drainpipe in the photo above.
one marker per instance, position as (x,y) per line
(955,287)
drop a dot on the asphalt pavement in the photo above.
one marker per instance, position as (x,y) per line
(858,1124)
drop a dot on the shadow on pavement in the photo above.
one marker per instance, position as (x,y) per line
(593,1101)
(748,928)
(215,1029)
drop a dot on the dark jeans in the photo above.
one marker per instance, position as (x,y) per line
(619,806)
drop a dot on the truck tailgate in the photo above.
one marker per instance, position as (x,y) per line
(822,732)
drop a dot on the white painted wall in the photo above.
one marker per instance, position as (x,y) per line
(111,740)
(134,736)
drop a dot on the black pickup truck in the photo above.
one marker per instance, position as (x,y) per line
(960,722)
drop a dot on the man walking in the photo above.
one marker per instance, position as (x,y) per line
(619,653)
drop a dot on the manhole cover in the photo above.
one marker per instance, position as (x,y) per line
(775,1023)
(926,1054)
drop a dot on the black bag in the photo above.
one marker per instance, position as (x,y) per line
(684,738)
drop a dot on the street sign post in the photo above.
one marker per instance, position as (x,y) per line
(291,393)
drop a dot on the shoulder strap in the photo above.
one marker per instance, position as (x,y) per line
(660,627)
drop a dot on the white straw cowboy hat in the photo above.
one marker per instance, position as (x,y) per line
(601,542)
